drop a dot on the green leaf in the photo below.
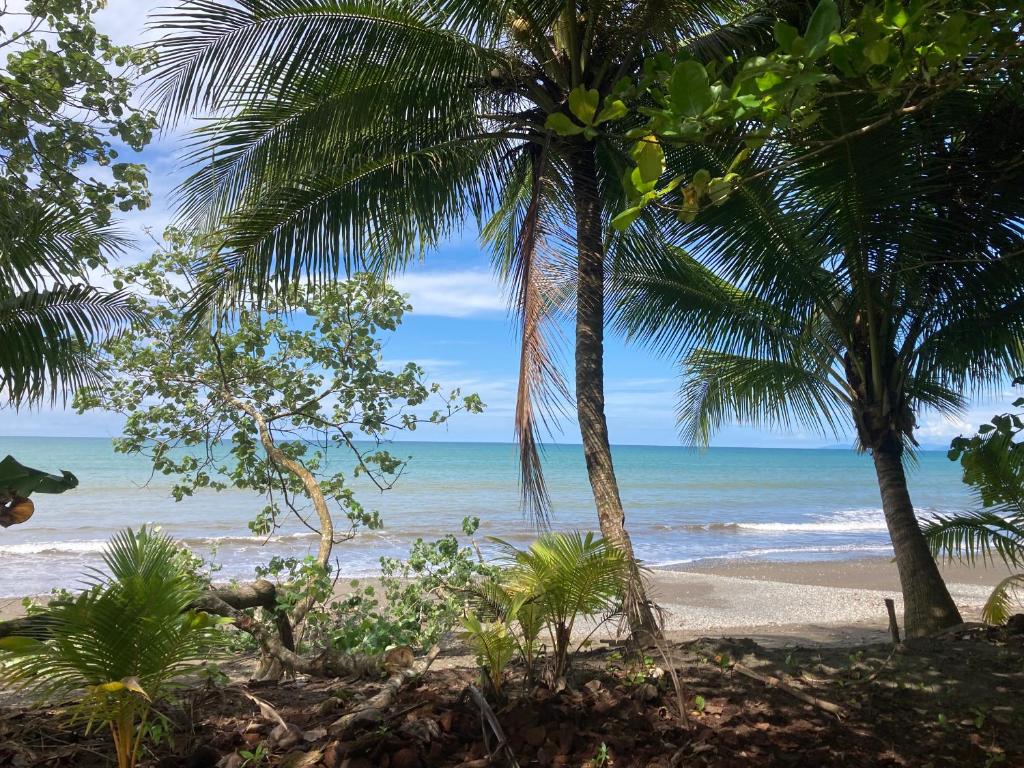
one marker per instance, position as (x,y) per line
(769,80)
(560,123)
(18,644)
(785,35)
(877,52)
(623,221)
(613,110)
(689,90)
(824,21)
(583,103)
(650,159)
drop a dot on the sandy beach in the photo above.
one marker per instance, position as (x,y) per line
(826,601)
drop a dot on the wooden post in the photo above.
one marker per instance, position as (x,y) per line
(894,627)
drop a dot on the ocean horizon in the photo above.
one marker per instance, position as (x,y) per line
(682,505)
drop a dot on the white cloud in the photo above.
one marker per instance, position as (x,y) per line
(452,294)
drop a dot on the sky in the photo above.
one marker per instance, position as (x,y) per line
(461,332)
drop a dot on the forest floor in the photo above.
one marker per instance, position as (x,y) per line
(952,700)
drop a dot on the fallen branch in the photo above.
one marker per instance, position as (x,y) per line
(372,710)
(488,717)
(774,682)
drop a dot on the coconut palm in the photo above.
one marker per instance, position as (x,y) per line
(860,283)
(358,134)
(49,315)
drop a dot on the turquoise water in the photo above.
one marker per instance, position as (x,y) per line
(681,505)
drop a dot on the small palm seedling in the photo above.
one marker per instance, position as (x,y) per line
(119,646)
(494,644)
(566,576)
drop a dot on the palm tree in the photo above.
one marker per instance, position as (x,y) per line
(49,314)
(359,134)
(862,283)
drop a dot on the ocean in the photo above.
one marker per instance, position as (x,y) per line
(682,505)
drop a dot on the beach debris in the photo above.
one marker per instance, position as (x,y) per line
(372,710)
(774,682)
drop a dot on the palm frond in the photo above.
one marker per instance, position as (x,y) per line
(1005,596)
(971,536)
(48,335)
(720,388)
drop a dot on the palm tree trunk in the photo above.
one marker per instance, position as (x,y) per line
(590,376)
(927,605)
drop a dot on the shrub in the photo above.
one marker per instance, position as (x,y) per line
(118,646)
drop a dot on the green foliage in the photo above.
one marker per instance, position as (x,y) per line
(898,56)
(268,403)
(66,95)
(119,646)
(561,577)
(359,135)
(419,599)
(494,646)
(993,465)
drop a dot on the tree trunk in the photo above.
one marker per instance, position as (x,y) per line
(590,376)
(927,605)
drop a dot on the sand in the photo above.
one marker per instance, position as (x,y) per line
(835,601)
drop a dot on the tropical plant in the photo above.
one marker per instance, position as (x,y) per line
(993,464)
(265,405)
(67,92)
(494,645)
(862,282)
(362,133)
(562,577)
(417,600)
(120,646)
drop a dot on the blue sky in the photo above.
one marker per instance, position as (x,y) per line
(461,333)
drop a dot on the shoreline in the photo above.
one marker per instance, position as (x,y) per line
(818,601)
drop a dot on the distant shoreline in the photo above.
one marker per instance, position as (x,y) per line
(925,448)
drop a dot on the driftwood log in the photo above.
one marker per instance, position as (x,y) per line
(774,682)
(374,708)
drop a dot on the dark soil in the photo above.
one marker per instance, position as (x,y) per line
(949,701)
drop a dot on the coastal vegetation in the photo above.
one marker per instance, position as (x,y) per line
(815,210)
(119,647)
(993,464)
(294,412)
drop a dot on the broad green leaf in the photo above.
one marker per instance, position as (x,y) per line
(824,21)
(877,52)
(637,183)
(650,159)
(769,80)
(560,123)
(25,481)
(613,110)
(19,644)
(622,222)
(689,90)
(785,35)
(583,103)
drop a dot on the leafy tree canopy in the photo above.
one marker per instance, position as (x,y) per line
(66,114)
(903,55)
(266,402)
